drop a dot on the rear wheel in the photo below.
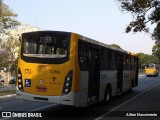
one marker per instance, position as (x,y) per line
(107,96)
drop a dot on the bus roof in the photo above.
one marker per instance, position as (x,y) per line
(100,43)
(86,39)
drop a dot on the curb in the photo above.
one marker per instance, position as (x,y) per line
(6,96)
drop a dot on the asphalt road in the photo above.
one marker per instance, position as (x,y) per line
(143,101)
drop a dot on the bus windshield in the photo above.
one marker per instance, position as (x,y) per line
(150,66)
(45,45)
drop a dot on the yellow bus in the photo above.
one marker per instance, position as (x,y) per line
(71,69)
(151,70)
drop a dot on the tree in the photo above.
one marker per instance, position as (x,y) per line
(156,50)
(147,59)
(143,12)
(7,18)
(7,46)
(151,59)
(10,46)
(115,46)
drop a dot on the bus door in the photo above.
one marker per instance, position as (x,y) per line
(119,74)
(94,73)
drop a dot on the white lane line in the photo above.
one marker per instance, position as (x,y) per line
(41,108)
(105,114)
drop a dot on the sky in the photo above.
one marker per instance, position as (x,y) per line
(100,20)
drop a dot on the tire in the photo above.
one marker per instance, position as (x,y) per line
(107,96)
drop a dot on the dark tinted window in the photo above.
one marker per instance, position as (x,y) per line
(113,62)
(45,46)
(82,55)
(104,59)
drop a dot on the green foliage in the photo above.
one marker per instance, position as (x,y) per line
(11,44)
(8,45)
(9,48)
(115,46)
(156,50)
(146,59)
(7,18)
(143,12)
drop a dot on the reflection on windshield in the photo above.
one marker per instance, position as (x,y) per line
(45,55)
(149,66)
(45,46)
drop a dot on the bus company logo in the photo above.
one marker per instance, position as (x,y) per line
(6,114)
(53,79)
(27,71)
(41,82)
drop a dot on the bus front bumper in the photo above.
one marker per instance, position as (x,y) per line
(65,100)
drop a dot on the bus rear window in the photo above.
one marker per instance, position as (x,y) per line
(45,45)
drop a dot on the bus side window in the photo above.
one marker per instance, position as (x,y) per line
(113,61)
(132,63)
(129,62)
(82,48)
(124,62)
(104,60)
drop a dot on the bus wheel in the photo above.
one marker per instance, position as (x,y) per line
(107,96)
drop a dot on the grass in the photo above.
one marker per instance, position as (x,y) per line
(8,92)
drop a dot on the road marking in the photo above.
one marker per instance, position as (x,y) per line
(105,114)
(41,108)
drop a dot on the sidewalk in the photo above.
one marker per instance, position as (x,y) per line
(7,87)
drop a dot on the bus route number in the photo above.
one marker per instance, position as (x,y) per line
(46,39)
(55,71)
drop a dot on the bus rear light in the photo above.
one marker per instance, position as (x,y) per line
(19,75)
(19,86)
(68,78)
(67,83)
(20,83)
(66,90)
(19,80)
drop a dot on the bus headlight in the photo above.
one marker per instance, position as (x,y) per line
(67,83)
